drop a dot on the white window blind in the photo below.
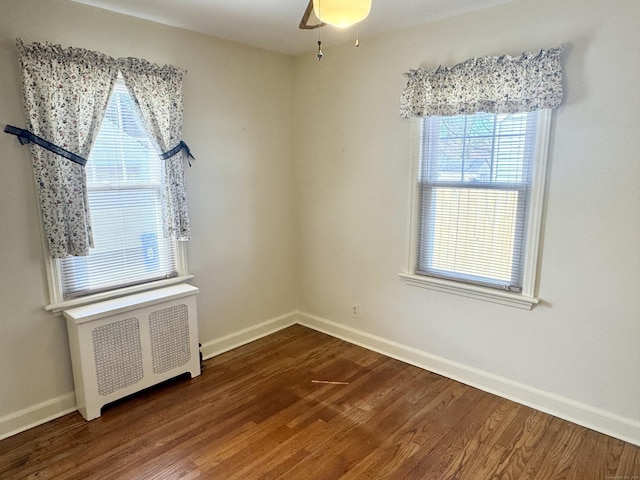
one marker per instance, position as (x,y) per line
(475,183)
(124,175)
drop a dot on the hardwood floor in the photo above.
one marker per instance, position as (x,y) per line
(255,413)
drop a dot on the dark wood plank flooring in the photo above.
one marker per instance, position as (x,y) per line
(255,413)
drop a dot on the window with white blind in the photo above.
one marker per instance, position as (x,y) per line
(479,203)
(124,175)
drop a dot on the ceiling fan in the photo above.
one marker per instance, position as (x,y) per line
(339,13)
(309,19)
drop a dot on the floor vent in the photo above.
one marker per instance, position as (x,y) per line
(121,346)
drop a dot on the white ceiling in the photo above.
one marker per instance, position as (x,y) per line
(273,24)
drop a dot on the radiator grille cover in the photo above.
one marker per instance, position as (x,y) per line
(122,345)
(118,355)
(169,329)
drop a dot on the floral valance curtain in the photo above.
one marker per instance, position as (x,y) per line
(66,91)
(489,84)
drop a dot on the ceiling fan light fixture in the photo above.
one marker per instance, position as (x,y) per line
(341,13)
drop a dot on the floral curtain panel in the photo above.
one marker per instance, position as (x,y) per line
(157,90)
(490,84)
(66,91)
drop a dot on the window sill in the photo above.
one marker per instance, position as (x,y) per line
(472,291)
(57,308)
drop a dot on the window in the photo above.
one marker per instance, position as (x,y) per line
(124,184)
(479,198)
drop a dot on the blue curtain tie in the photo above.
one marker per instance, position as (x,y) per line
(174,151)
(25,136)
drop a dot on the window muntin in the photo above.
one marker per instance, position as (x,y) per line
(475,184)
(124,178)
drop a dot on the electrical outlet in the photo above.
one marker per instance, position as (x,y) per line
(355,310)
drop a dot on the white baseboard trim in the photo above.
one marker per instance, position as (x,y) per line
(602,421)
(237,339)
(596,419)
(37,415)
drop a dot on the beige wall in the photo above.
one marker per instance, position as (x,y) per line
(307,207)
(238,114)
(353,171)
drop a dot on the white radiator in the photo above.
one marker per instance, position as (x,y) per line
(121,346)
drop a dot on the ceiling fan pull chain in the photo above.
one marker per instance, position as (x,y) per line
(358,34)
(319,55)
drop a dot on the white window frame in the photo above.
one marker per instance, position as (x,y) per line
(54,280)
(58,303)
(527,299)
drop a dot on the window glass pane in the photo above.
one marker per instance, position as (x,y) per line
(473,232)
(124,176)
(478,148)
(475,179)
